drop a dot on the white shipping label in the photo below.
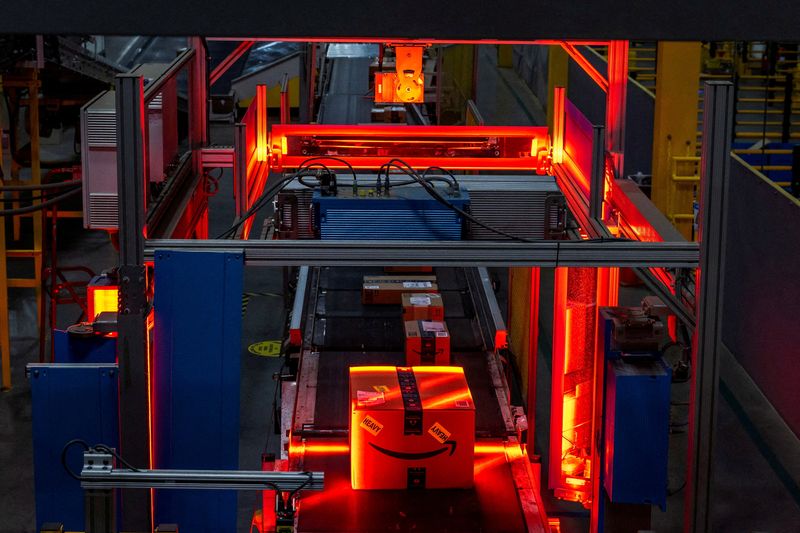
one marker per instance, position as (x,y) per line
(420,300)
(417,285)
(433,326)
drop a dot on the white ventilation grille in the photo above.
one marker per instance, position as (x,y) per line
(103,211)
(101,129)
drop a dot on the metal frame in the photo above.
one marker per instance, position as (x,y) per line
(446,253)
(99,473)
(640,255)
(132,341)
(718,118)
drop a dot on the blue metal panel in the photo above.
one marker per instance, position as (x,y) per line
(198,308)
(75,401)
(636,431)
(93,349)
(407,213)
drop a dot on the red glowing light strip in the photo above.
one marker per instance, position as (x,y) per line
(334,448)
(557,398)
(401,132)
(261,122)
(379,139)
(150,324)
(584,63)
(559,121)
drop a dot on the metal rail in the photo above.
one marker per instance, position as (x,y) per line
(446,253)
(154,87)
(98,473)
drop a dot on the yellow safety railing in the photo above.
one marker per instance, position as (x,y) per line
(685,175)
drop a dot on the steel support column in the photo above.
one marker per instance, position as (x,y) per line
(718,117)
(616,102)
(240,168)
(198,101)
(132,341)
(675,127)
(557,74)
(597,183)
(533,356)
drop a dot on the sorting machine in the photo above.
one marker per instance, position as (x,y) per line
(351,199)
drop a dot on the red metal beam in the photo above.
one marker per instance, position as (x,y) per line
(226,63)
(574,53)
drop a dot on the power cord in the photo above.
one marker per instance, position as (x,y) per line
(64,450)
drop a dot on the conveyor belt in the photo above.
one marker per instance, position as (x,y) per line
(491,506)
(347,333)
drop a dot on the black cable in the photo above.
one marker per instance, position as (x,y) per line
(267,195)
(330,158)
(58,185)
(66,447)
(305,483)
(407,169)
(37,207)
(106,449)
(23,199)
(443,171)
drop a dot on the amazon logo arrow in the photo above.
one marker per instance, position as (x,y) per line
(409,456)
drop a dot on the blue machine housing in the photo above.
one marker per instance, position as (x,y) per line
(406,213)
(636,433)
(69,401)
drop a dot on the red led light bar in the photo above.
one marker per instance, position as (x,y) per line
(451,147)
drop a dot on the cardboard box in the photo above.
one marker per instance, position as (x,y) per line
(408,269)
(422,306)
(427,343)
(411,427)
(388,290)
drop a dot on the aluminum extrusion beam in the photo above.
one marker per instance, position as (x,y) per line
(718,117)
(597,183)
(132,340)
(154,87)
(446,253)
(97,476)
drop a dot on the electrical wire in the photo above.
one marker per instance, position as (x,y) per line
(305,483)
(57,185)
(106,449)
(409,170)
(39,206)
(66,447)
(280,184)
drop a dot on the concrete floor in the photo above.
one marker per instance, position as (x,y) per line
(756,461)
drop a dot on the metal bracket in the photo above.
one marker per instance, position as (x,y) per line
(133,289)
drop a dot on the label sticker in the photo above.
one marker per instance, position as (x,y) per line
(265,348)
(372,287)
(420,300)
(442,334)
(371,425)
(433,326)
(368,397)
(417,285)
(381,388)
(438,432)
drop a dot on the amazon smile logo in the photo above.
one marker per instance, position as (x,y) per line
(409,456)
